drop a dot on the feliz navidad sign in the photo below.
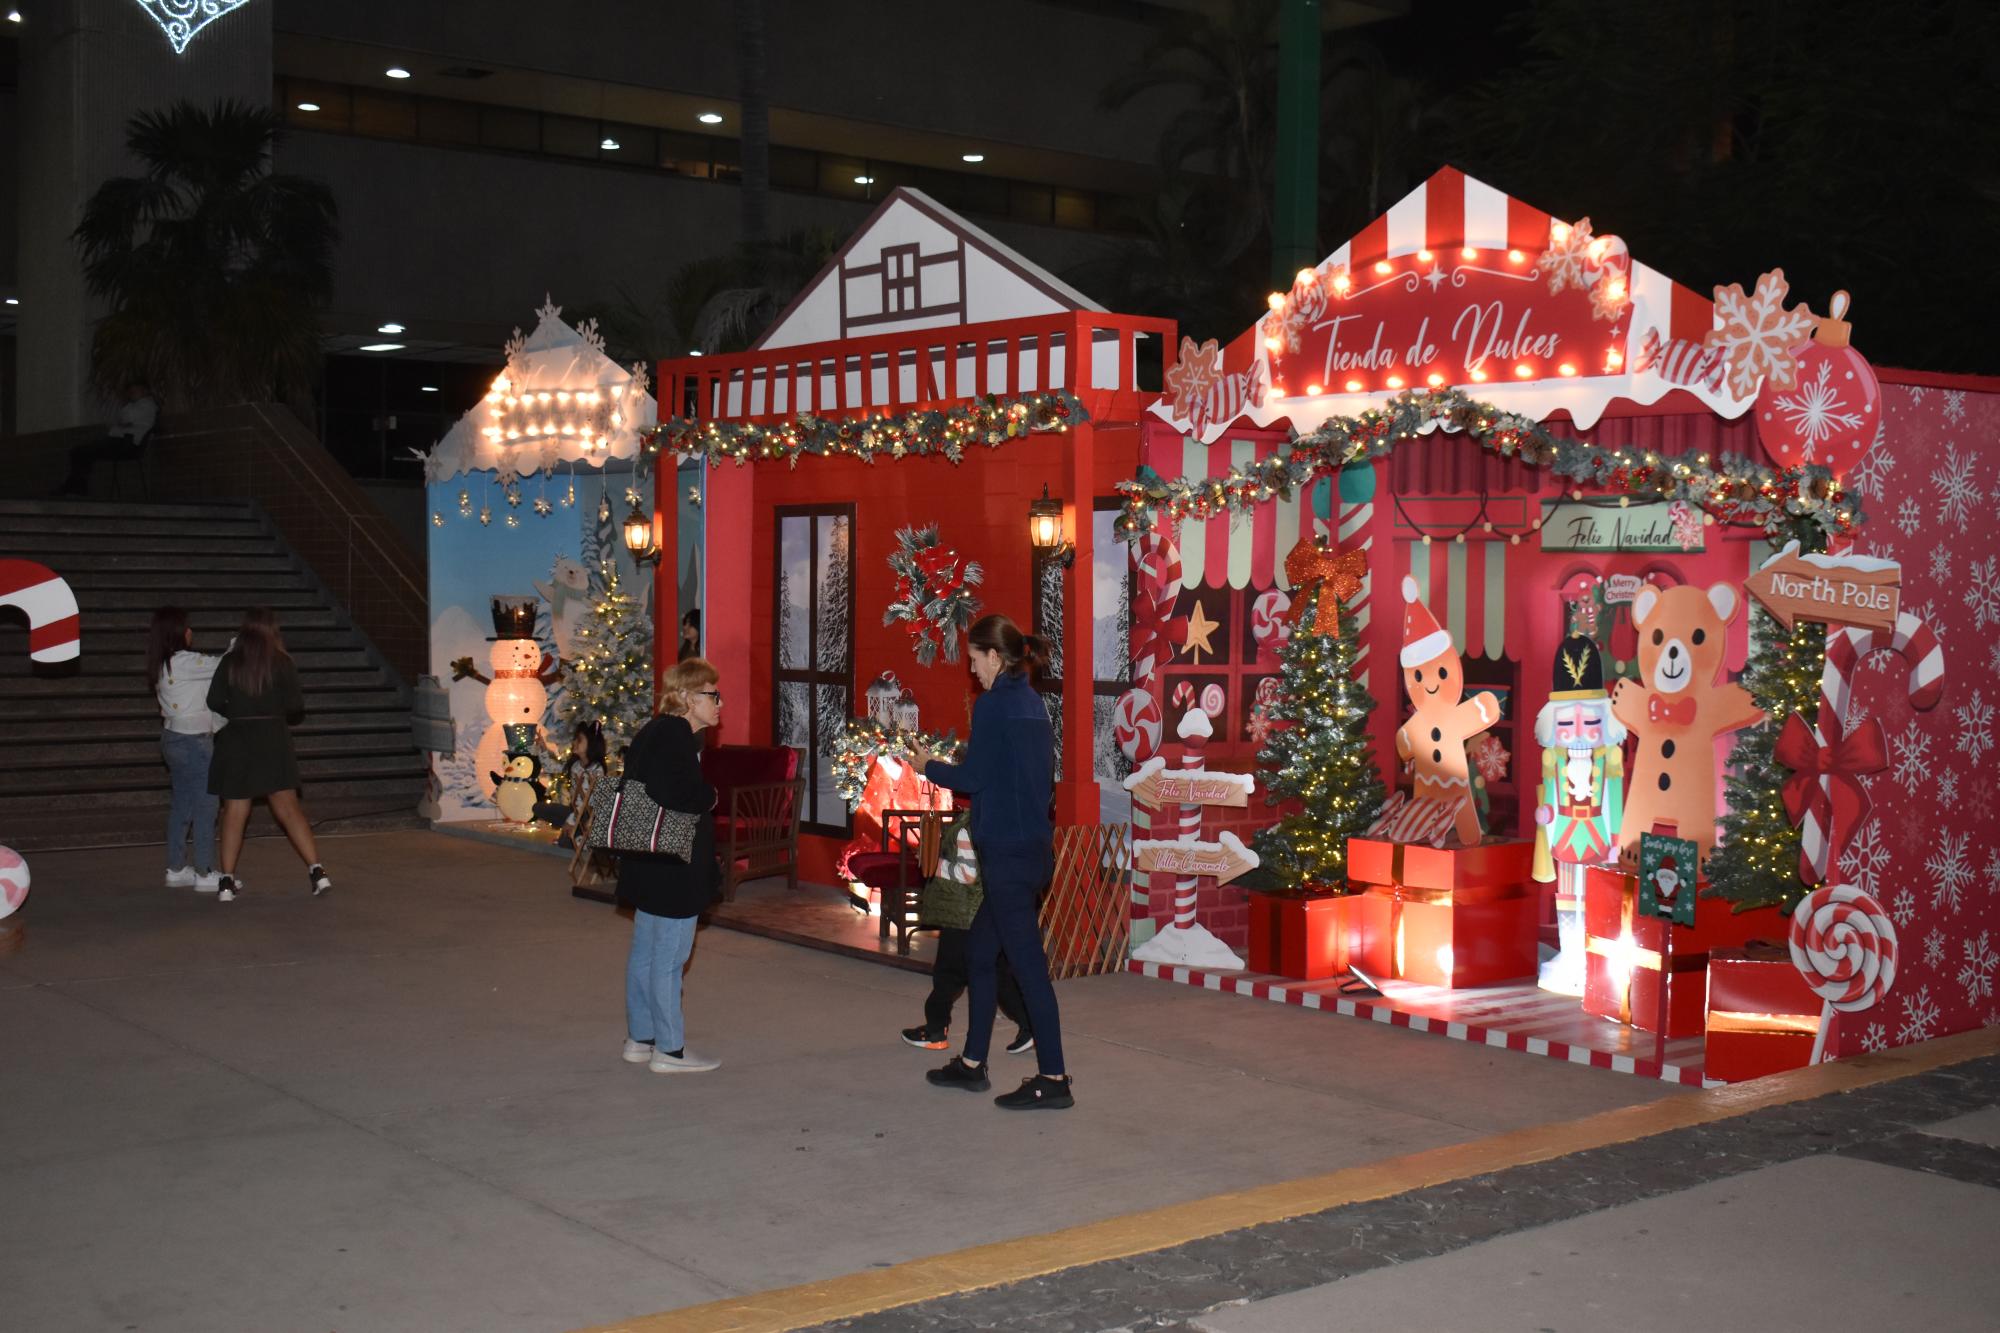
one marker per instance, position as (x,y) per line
(1665,525)
(1859,590)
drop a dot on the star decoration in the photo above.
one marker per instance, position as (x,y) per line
(1200,632)
(1435,276)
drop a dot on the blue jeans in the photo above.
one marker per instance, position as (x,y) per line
(660,949)
(193,809)
(1008,922)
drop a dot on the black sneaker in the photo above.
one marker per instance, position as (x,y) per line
(1038,1093)
(958,1074)
(1024,1041)
(921,1038)
(320,883)
(225,889)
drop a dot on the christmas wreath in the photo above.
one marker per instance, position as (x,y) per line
(865,740)
(933,592)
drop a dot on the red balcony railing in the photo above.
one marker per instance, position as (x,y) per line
(1094,356)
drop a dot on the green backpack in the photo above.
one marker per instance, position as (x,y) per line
(952,894)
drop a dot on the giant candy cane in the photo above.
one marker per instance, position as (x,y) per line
(1913,641)
(49,604)
(1159,568)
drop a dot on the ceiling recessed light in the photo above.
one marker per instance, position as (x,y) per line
(382,347)
(710,117)
(13,300)
(428,388)
(972,157)
(610,145)
(13,16)
(397,72)
(389,328)
(309,106)
(864,180)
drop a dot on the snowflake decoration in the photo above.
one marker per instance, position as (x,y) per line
(1993,658)
(1993,873)
(1927,612)
(1957,492)
(183,20)
(1868,477)
(1862,860)
(1977,973)
(1568,255)
(543,507)
(1975,727)
(1933,948)
(1911,753)
(1290,318)
(1490,754)
(513,497)
(1686,522)
(1950,869)
(1982,591)
(569,495)
(1757,334)
(1947,788)
(1908,516)
(437,519)
(1954,405)
(632,496)
(1920,1016)
(513,520)
(1875,1038)
(1814,412)
(1941,565)
(485,516)
(1193,375)
(1902,907)
(506,474)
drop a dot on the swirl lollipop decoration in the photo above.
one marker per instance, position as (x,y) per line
(1844,945)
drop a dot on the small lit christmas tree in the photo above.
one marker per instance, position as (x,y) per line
(1756,863)
(1318,754)
(611,678)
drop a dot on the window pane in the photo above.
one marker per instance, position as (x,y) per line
(635,144)
(1049,613)
(827,807)
(1111,763)
(687,154)
(447,122)
(1111,600)
(385,115)
(835,567)
(1053,702)
(794,592)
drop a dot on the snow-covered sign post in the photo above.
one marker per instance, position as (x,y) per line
(1194,861)
(1859,590)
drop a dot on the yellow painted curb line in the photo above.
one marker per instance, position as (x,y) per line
(1161,1228)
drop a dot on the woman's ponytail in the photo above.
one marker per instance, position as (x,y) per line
(1020,654)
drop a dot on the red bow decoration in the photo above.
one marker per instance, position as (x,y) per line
(1335,575)
(1825,780)
(1669,712)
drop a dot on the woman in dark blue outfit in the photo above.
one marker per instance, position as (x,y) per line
(1009,771)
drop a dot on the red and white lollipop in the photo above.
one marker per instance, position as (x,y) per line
(1136,725)
(1844,945)
(1268,625)
(14,881)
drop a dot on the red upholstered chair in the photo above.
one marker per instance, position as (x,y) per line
(894,873)
(758,797)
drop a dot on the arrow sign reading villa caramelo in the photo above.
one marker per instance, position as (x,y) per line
(1225,858)
(1153,785)
(1859,590)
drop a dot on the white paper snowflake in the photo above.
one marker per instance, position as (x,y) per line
(1954,404)
(1902,907)
(1910,751)
(1875,1037)
(1982,591)
(1976,975)
(1868,477)
(1815,411)
(1975,727)
(1993,873)
(1941,563)
(1934,948)
(1758,335)
(1862,860)
(1908,516)
(1957,491)
(1947,788)
(1950,870)
(1920,1016)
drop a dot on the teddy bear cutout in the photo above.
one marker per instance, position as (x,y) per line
(1433,741)
(1676,709)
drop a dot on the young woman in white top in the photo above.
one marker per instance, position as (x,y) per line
(180,678)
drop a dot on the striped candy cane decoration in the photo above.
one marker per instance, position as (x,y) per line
(1916,644)
(1194,731)
(1159,583)
(1357,513)
(54,634)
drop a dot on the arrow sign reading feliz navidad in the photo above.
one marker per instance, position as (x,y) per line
(1153,785)
(1860,590)
(1225,858)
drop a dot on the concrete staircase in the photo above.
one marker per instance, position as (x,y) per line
(83,765)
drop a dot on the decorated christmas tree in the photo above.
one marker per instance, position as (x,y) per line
(611,679)
(1756,863)
(1318,754)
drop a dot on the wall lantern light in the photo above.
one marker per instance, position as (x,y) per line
(1045,528)
(639,537)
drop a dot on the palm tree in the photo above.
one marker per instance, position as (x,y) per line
(213,267)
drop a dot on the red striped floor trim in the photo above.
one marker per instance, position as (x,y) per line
(1513,1018)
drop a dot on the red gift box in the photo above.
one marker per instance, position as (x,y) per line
(1303,936)
(1443,916)
(1631,957)
(1762,1017)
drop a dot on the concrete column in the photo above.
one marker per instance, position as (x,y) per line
(87,67)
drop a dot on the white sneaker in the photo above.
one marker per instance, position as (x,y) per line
(687,1062)
(208,883)
(181,879)
(637,1052)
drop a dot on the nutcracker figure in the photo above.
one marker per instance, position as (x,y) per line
(1582,800)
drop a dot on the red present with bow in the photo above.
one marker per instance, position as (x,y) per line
(1825,784)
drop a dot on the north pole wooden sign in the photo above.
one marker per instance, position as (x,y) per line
(1860,590)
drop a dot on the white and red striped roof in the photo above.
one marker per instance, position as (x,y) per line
(1452,209)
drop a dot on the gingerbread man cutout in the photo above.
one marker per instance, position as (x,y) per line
(1676,709)
(1433,741)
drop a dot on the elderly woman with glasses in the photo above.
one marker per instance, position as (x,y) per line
(666,894)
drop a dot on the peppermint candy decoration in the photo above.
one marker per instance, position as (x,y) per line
(14,881)
(1844,945)
(1268,625)
(1213,699)
(1136,725)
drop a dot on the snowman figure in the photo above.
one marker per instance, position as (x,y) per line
(517,691)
